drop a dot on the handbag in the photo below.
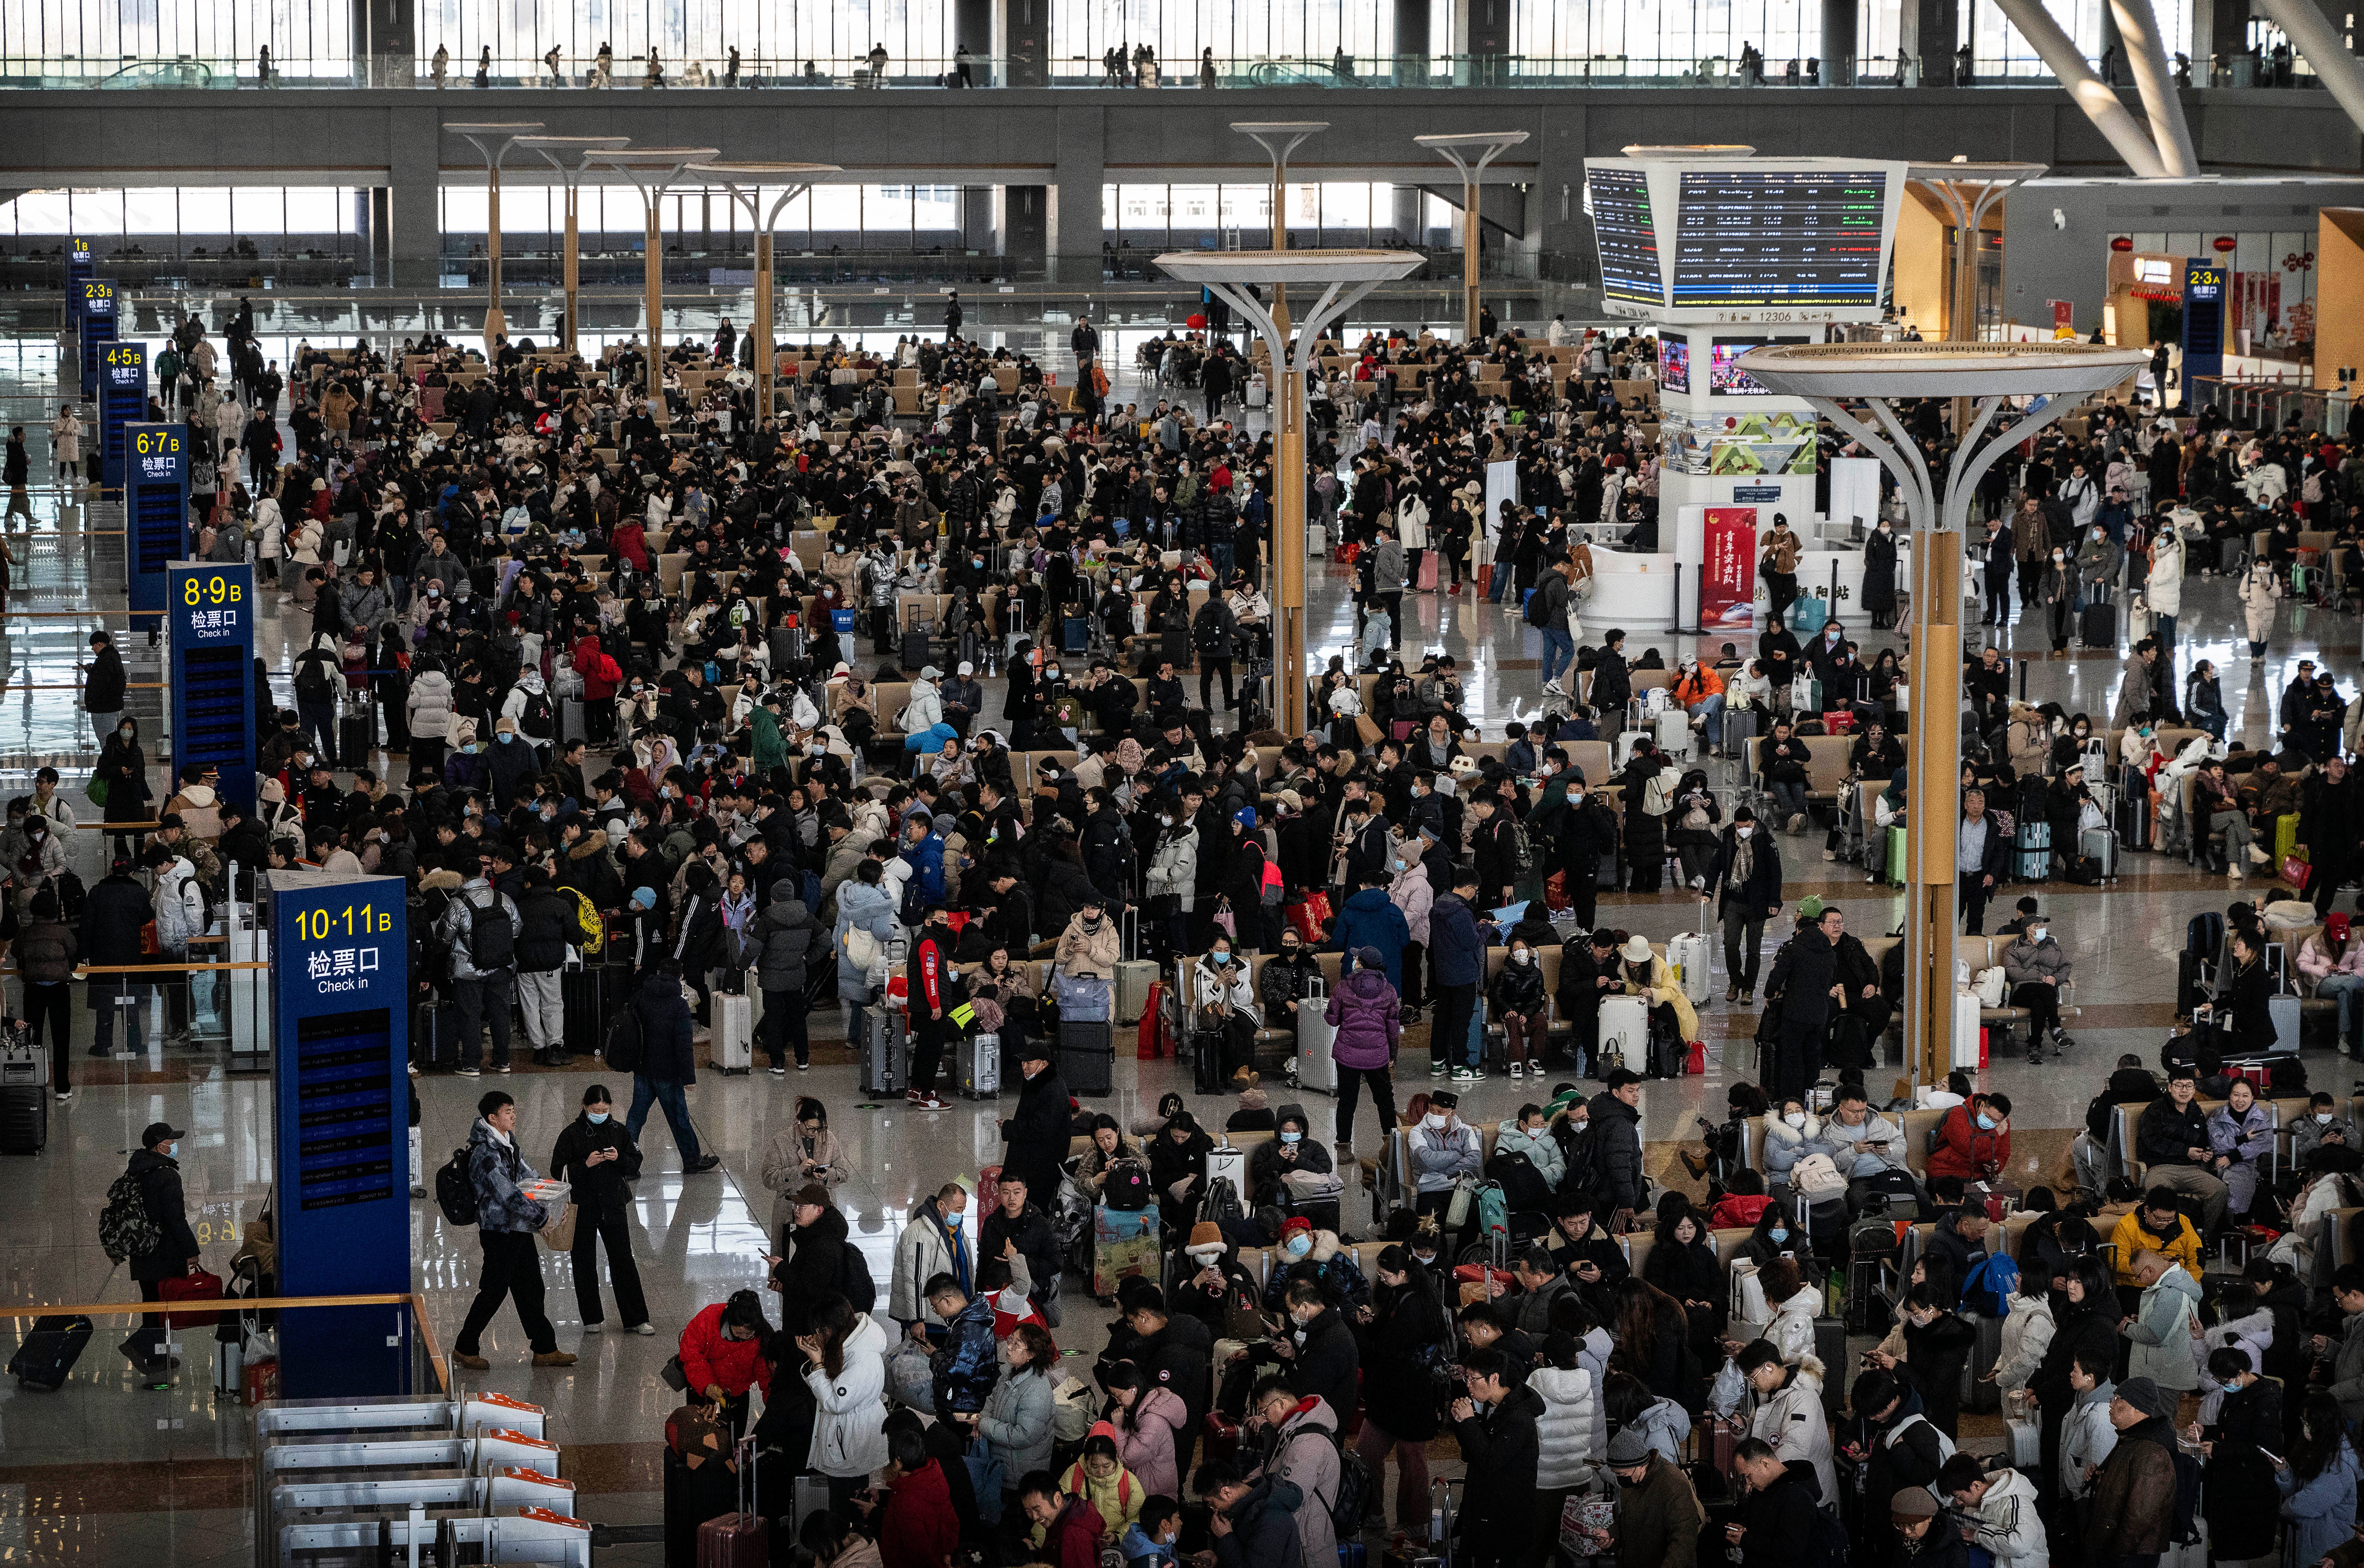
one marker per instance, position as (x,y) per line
(2295,871)
(1456,1213)
(97,791)
(987,1476)
(675,1377)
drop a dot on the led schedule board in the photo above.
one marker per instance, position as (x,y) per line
(340,1069)
(1734,239)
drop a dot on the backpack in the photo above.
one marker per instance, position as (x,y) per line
(1126,1187)
(1581,1151)
(312,682)
(1522,849)
(455,1194)
(622,1049)
(1493,1210)
(1533,613)
(1222,1202)
(586,919)
(1523,1185)
(126,1228)
(1353,1484)
(539,720)
(491,944)
(1827,1543)
(855,1282)
(1073,1409)
(1992,1281)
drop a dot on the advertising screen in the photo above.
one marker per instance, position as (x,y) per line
(1798,237)
(1627,236)
(1724,377)
(1674,365)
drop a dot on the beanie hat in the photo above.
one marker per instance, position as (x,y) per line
(1206,1237)
(1628,1449)
(1295,1223)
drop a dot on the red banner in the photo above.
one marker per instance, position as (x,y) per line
(1728,575)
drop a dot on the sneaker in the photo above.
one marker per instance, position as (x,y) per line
(504,1070)
(2260,856)
(594,1327)
(554,1359)
(801,1067)
(1797,823)
(646,1330)
(468,1072)
(1552,688)
(474,1364)
(912,1096)
(779,1072)
(1464,1075)
(1436,1067)
(2235,873)
(932,1103)
(65,1095)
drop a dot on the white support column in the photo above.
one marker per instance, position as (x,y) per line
(2147,52)
(2101,105)
(2320,44)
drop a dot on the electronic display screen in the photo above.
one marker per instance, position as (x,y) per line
(1798,237)
(1724,377)
(1674,365)
(345,1116)
(1627,235)
(216,707)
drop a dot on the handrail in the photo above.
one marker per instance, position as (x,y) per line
(227,1303)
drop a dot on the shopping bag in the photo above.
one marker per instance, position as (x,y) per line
(2295,871)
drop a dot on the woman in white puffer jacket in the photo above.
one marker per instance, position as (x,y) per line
(1565,1432)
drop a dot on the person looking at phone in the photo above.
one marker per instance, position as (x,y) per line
(1776,1511)
(599,1157)
(803,1152)
(1996,1510)
(723,1354)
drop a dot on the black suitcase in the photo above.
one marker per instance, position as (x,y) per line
(692,1497)
(50,1349)
(582,1002)
(2133,814)
(435,1036)
(917,654)
(2098,626)
(1075,634)
(2191,978)
(1830,1347)
(1087,1058)
(886,1056)
(24,1118)
(1206,1062)
(1980,1392)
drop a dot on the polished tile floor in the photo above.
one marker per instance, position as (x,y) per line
(107,1470)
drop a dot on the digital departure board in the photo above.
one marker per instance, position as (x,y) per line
(1627,235)
(210,616)
(341,995)
(155,510)
(1809,237)
(2204,319)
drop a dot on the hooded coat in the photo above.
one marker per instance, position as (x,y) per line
(2161,1332)
(1566,1429)
(1367,1013)
(1304,1453)
(850,1432)
(1792,1420)
(787,935)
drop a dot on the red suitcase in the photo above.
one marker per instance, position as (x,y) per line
(195,1285)
(743,1539)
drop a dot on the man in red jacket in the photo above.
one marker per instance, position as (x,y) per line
(1072,1528)
(928,977)
(1974,1140)
(919,1529)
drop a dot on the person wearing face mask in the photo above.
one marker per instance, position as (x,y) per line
(1744,881)
(1879,591)
(2056,594)
(2322,1128)
(934,1241)
(1153,1541)
(1271,1164)
(1519,1007)
(155,1168)
(2036,968)
(595,1153)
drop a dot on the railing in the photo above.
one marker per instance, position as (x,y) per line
(1348,72)
(2274,405)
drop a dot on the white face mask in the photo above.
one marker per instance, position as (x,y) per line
(2322,1118)
(1522,957)
(1434,1121)
(1743,831)
(1795,1118)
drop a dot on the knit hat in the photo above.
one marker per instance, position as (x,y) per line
(506,727)
(1206,1237)
(1810,907)
(1291,799)
(2147,1396)
(272,792)
(1370,957)
(1295,1223)
(1911,1505)
(1627,1450)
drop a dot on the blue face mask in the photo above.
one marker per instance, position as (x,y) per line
(1778,1234)
(953,1220)
(1986,1124)
(1299,1246)
(1292,1138)
(597,1116)
(1221,959)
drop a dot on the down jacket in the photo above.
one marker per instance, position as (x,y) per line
(1017,1419)
(1305,1454)
(1564,1432)
(1368,1016)
(850,1432)
(1147,1445)
(1792,1420)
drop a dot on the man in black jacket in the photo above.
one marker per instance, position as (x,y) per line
(2171,1140)
(1744,881)
(114,915)
(548,923)
(1321,1357)
(1777,1516)
(1588,972)
(1501,1449)
(1172,1351)
(1018,1230)
(103,685)
(600,1159)
(667,1066)
(1036,1136)
(1617,1139)
(155,1167)
(1805,971)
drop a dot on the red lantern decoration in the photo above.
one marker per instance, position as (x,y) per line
(2222,243)
(1195,321)
(2122,244)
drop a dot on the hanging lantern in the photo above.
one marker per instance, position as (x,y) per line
(2221,243)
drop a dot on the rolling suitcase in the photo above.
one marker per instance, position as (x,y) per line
(1688,955)
(2100,845)
(1739,728)
(977,1067)
(917,653)
(1624,1034)
(1830,1343)
(1075,634)
(1673,732)
(1132,982)
(573,725)
(2133,814)
(356,733)
(1206,1062)
(50,1349)
(2097,627)
(1087,1058)
(740,1540)
(1316,1069)
(733,1038)
(886,1056)
(1229,1164)
(1978,1391)
(24,1094)
(2284,1012)
(435,1034)
(1124,1241)
(582,1007)
(2033,863)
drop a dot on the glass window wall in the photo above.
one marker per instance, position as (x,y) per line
(520,32)
(308,37)
(1149,218)
(166,220)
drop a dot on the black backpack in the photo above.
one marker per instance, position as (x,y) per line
(455,1194)
(1523,1185)
(622,1049)
(312,681)
(1126,1188)
(539,720)
(491,944)
(854,1281)
(1532,614)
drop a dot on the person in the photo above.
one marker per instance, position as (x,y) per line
(918,1527)
(725,1350)
(2133,1504)
(928,973)
(934,1241)
(667,1067)
(2317,1483)
(1785,1391)
(1298,1435)
(1254,1524)
(2036,967)
(1457,951)
(1368,1014)
(1035,1136)
(506,1220)
(2155,1225)
(1147,1417)
(789,940)
(1398,1413)
(1974,1140)
(103,681)
(1154,1539)
(804,1152)
(479,929)
(1745,881)
(45,953)
(2161,1330)
(155,1168)
(1501,1448)
(1776,1513)
(2240,1134)
(1519,1005)
(595,1153)
(964,1369)
(1618,1181)
(1015,1426)
(1018,1232)
(845,1368)
(1981,859)
(1444,1149)
(2171,1140)
(115,914)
